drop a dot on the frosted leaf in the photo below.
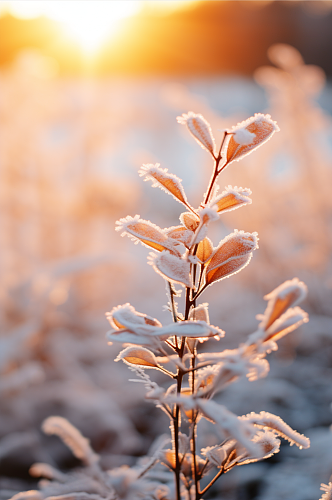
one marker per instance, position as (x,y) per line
(28,495)
(138,356)
(280,299)
(172,268)
(215,454)
(289,321)
(126,316)
(145,232)
(233,254)
(192,329)
(180,234)
(260,126)
(206,376)
(200,313)
(276,424)
(169,183)
(327,488)
(231,198)
(71,436)
(204,250)
(190,220)
(232,453)
(200,129)
(230,424)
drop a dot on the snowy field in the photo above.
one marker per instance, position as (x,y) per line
(69,156)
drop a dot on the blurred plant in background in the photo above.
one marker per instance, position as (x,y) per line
(67,148)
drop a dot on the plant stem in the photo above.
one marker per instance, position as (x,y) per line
(216,171)
(217,476)
(193,429)
(173,307)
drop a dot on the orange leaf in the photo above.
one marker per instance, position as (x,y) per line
(200,129)
(231,198)
(138,356)
(145,232)
(232,266)
(204,250)
(190,220)
(284,296)
(234,245)
(169,183)
(260,126)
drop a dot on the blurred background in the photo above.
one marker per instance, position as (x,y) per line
(90,90)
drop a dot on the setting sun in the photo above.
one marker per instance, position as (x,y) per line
(90,23)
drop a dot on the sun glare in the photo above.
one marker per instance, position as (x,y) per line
(89,22)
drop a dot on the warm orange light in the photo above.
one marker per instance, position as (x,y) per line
(90,22)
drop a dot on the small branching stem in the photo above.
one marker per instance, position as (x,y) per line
(216,170)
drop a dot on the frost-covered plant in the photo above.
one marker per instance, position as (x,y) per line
(184,255)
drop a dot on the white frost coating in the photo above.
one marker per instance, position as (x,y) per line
(276,424)
(200,129)
(230,424)
(327,488)
(149,334)
(72,437)
(244,137)
(169,183)
(126,316)
(172,268)
(201,312)
(208,214)
(259,120)
(215,454)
